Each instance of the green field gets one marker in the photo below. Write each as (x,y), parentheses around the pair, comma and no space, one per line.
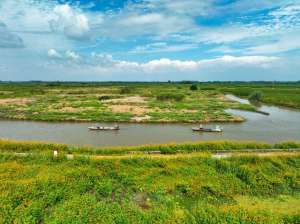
(131,102)
(136,102)
(280,94)
(189,187)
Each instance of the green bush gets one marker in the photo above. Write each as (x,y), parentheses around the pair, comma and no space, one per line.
(194,87)
(104,97)
(170,97)
(256,96)
(126,90)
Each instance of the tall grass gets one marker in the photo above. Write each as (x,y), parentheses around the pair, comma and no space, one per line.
(193,190)
(211,146)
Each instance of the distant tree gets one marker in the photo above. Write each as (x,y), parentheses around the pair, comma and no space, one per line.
(194,87)
(255,96)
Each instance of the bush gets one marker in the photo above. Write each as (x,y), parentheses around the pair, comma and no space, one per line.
(126,90)
(194,87)
(170,96)
(256,96)
(105,97)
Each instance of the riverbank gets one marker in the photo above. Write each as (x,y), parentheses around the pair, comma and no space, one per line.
(211,147)
(284,94)
(190,187)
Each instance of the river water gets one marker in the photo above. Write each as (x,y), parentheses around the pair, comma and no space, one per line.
(281,125)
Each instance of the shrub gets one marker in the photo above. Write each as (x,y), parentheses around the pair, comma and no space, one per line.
(194,87)
(105,97)
(170,96)
(126,90)
(255,96)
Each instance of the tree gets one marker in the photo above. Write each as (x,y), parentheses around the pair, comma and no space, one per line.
(194,87)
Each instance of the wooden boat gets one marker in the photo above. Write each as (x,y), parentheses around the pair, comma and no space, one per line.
(100,128)
(216,129)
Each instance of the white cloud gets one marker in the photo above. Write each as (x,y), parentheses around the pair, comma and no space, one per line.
(8,39)
(225,61)
(290,10)
(108,62)
(72,23)
(159,47)
(52,53)
(284,43)
(70,55)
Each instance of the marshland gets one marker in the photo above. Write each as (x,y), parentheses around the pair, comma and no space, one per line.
(248,174)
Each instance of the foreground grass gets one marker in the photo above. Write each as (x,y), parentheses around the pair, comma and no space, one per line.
(197,189)
(114,103)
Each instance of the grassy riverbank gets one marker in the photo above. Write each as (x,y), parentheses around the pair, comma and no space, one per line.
(205,146)
(40,188)
(114,103)
(284,94)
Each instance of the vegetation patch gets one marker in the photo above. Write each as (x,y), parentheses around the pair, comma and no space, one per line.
(141,102)
(40,188)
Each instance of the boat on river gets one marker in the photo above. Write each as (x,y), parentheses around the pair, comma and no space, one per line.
(101,128)
(202,129)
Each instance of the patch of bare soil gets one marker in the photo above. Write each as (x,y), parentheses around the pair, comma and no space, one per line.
(15,101)
(141,119)
(136,110)
(74,110)
(130,99)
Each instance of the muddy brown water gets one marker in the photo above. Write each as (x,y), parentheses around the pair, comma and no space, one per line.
(282,125)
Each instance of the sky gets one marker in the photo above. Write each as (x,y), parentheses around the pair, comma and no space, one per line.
(150,40)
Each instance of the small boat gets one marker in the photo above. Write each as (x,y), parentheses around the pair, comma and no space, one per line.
(101,128)
(216,129)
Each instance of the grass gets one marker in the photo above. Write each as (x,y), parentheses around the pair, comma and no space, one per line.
(196,189)
(155,102)
(210,146)
(284,94)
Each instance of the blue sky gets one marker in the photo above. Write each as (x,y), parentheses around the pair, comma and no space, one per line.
(149,40)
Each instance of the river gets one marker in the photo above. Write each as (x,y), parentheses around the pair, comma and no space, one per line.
(281,125)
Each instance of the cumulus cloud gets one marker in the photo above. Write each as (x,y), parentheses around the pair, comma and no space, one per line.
(108,62)
(8,39)
(72,23)
(225,61)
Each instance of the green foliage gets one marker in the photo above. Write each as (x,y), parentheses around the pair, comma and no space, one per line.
(210,146)
(194,87)
(166,102)
(282,94)
(256,96)
(170,96)
(105,97)
(126,90)
(39,189)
